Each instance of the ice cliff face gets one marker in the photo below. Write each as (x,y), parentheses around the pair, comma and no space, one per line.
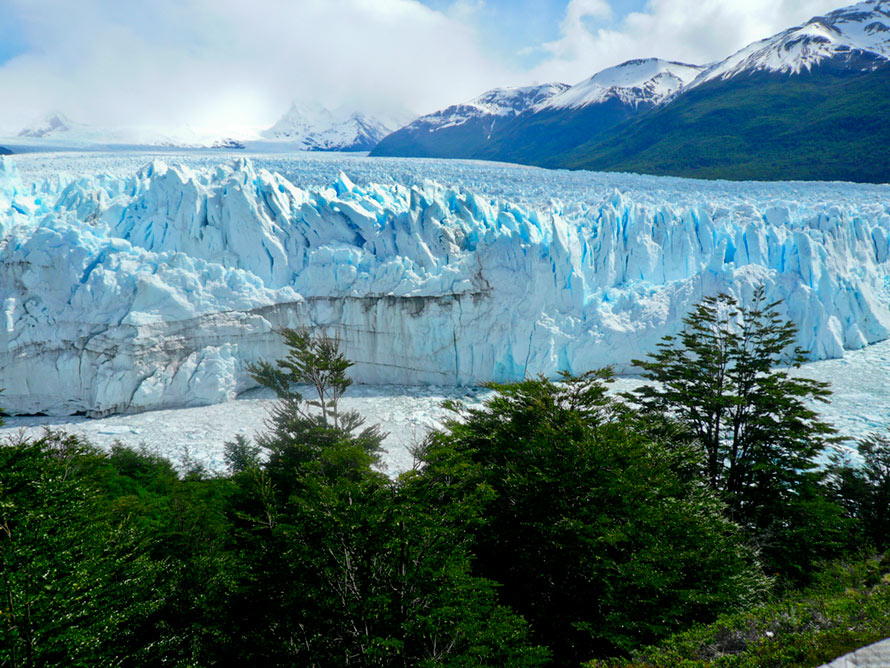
(154,290)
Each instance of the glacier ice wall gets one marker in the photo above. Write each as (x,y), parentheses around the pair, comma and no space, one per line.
(153,290)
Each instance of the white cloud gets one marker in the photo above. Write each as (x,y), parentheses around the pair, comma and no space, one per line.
(229,62)
(694,31)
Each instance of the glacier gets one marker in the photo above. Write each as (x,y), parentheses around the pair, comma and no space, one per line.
(151,287)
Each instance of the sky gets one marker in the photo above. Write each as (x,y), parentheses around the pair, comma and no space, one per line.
(236,64)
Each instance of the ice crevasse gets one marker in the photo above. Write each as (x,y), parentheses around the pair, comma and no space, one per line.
(155,290)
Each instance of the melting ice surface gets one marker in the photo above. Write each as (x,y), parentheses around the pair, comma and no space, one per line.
(136,282)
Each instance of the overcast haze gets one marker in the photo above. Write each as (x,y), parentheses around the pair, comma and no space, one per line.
(231,64)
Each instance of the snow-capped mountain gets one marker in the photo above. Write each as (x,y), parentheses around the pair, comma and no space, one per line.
(59,128)
(813,104)
(810,102)
(53,125)
(472,129)
(857,36)
(491,105)
(315,128)
(537,123)
(512,101)
(635,82)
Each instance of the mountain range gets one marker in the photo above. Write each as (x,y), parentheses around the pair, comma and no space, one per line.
(58,129)
(528,124)
(811,102)
(303,127)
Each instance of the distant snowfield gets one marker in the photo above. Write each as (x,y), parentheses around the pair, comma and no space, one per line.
(860,406)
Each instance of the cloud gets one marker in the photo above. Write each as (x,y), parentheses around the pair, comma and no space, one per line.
(230,63)
(225,63)
(693,31)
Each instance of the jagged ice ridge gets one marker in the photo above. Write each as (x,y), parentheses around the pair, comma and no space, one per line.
(125,293)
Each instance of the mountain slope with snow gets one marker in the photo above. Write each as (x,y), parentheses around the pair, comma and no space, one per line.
(855,38)
(531,125)
(498,102)
(808,103)
(56,130)
(463,130)
(636,82)
(811,102)
(154,289)
(52,125)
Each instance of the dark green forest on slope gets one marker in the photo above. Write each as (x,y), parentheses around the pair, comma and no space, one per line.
(822,125)
(528,138)
(687,523)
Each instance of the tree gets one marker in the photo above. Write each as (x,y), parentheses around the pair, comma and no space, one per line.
(720,379)
(596,532)
(864,488)
(313,360)
(185,538)
(342,565)
(300,431)
(73,582)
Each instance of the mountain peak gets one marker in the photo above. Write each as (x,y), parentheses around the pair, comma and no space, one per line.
(50,125)
(491,105)
(644,80)
(511,100)
(858,34)
(315,128)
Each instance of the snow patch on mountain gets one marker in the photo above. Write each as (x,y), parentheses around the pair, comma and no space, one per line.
(513,101)
(850,33)
(154,289)
(635,82)
(493,104)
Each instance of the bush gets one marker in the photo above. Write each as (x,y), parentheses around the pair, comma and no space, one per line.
(598,533)
(845,609)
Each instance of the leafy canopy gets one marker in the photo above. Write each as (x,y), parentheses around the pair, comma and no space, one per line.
(719,378)
(598,533)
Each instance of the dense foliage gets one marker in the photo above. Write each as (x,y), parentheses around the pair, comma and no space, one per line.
(599,534)
(725,380)
(553,525)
